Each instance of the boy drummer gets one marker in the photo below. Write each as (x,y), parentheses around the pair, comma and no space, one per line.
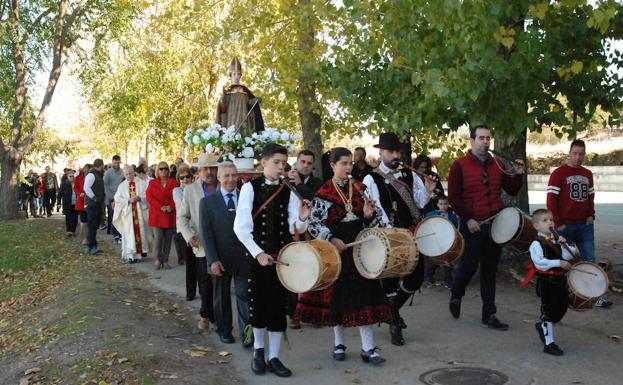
(550,261)
(266,217)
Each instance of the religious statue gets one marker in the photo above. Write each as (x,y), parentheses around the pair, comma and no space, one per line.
(238,106)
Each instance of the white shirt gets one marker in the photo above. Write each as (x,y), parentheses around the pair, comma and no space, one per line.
(420,195)
(88,183)
(542,263)
(243,224)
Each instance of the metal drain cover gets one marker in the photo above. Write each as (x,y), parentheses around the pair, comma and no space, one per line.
(463,376)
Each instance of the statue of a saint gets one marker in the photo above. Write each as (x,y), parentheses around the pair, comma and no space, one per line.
(238,105)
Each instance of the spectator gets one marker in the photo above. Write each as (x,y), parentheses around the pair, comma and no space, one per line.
(94,201)
(185,253)
(80,206)
(67,198)
(31,200)
(361,167)
(424,166)
(41,195)
(112,179)
(50,185)
(443,210)
(162,213)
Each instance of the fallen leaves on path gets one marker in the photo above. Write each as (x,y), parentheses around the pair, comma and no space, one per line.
(351,370)
(224,354)
(32,371)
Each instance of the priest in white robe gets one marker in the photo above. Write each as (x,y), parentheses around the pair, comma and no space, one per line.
(130,216)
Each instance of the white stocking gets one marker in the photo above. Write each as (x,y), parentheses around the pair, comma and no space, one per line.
(274,343)
(548,331)
(367,337)
(258,335)
(338,335)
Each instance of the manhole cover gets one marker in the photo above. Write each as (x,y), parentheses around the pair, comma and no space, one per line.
(463,376)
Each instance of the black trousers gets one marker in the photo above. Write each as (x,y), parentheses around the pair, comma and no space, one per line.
(554,297)
(185,253)
(222,302)
(110,227)
(71,219)
(479,250)
(206,289)
(49,199)
(268,298)
(94,213)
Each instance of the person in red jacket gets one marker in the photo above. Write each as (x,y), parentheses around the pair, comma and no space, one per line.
(570,198)
(80,208)
(159,195)
(475,183)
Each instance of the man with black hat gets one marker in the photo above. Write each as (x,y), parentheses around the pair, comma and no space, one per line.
(402,194)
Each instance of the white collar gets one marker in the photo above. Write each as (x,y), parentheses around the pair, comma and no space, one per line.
(388,170)
(270,182)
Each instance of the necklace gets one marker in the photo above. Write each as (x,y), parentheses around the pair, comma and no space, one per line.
(348,202)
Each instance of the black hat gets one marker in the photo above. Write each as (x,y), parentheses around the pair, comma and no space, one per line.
(388,141)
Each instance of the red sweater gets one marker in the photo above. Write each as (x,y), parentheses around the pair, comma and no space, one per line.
(570,195)
(157,196)
(469,196)
(79,189)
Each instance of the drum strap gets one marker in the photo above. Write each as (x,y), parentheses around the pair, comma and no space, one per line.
(404,191)
(267,201)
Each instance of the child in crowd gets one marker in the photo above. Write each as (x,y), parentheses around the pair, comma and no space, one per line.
(550,261)
(443,210)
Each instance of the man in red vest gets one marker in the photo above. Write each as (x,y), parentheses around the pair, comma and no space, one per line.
(475,184)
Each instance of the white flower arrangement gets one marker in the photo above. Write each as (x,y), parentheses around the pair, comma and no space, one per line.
(229,144)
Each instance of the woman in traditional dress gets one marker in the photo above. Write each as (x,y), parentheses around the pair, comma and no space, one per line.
(130,216)
(339,213)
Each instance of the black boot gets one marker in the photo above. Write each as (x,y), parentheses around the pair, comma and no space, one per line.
(258,364)
(401,298)
(394,326)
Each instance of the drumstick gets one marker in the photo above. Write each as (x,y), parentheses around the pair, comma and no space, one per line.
(488,219)
(357,243)
(584,271)
(276,262)
(425,235)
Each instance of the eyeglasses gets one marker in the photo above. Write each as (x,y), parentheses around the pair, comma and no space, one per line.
(485,177)
(163,169)
(185,176)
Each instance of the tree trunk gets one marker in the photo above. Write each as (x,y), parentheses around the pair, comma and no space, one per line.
(10,160)
(515,150)
(307,99)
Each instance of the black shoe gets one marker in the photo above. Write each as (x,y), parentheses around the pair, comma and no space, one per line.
(339,356)
(258,364)
(494,323)
(455,307)
(278,368)
(248,342)
(227,338)
(396,333)
(553,349)
(370,358)
(539,329)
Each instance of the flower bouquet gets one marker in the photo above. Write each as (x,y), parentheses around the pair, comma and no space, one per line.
(228,144)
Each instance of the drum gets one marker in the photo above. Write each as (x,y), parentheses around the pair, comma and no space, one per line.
(585,289)
(439,240)
(312,265)
(385,253)
(513,227)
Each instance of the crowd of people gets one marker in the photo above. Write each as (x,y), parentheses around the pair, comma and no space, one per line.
(226,231)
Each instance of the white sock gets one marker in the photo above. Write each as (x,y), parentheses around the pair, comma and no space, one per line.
(258,335)
(548,331)
(274,343)
(338,335)
(367,337)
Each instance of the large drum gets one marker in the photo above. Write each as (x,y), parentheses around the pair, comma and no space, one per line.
(312,265)
(385,253)
(439,240)
(513,227)
(586,282)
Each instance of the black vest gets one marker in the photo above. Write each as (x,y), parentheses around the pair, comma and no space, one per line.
(551,251)
(270,229)
(401,215)
(98,190)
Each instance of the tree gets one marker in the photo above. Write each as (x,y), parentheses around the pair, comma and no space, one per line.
(39,34)
(424,70)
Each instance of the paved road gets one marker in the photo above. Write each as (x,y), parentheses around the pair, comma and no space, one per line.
(435,340)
